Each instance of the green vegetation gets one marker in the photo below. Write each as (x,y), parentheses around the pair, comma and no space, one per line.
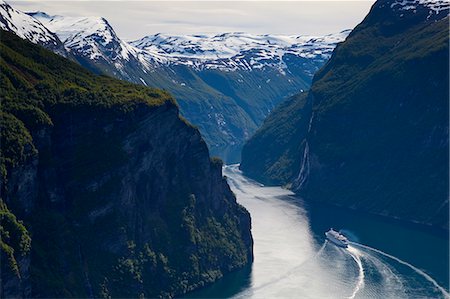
(273,155)
(382,130)
(128,203)
(36,84)
(226,106)
(379,133)
(216,161)
(15,241)
(16,141)
(188,254)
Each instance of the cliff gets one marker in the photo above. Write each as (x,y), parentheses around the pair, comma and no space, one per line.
(225,84)
(272,154)
(116,191)
(377,136)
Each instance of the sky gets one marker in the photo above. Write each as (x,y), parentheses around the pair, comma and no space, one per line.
(135,19)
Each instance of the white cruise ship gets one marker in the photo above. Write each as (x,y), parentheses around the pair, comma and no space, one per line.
(337,238)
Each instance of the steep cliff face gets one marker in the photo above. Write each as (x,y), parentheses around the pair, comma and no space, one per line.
(225,84)
(274,155)
(117,191)
(15,257)
(378,134)
(145,201)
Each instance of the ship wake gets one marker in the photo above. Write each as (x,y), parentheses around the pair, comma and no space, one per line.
(291,261)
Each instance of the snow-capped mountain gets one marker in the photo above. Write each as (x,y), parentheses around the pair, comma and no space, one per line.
(434,6)
(425,10)
(28,28)
(225,84)
(91,38)
(94,39)
(232,51)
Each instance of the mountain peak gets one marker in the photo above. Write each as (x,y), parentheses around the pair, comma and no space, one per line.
(436,6)
(236,50)
(86,34)
(26,26)
(419,10)
(68,28)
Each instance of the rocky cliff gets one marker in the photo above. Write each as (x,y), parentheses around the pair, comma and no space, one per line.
(116,191)
(225,84)
(377,135)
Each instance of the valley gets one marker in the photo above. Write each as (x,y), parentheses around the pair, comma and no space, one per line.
(210,164)
(225,84)
(375,118)
(293,259)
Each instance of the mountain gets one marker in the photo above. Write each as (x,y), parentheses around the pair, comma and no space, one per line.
(225,84)
(372,133)
(94,44)
(254,71)
(106,191)
(29,28)
(238,51)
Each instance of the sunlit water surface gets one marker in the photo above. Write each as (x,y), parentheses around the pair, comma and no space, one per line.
(293,259)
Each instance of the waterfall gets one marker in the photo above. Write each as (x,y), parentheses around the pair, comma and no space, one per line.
(304,169)
(310,122)
(305,163)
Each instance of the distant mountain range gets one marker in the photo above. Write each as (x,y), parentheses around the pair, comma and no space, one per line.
(225,84)
(372,132)
(237,51)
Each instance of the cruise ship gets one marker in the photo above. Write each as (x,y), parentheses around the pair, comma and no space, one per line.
(337,238)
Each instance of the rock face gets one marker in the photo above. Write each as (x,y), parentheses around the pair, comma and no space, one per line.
(376,138)
(225,84)
(15,257)
(29,28)
(118,192)
(272,154)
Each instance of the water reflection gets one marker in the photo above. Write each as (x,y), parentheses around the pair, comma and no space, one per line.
(293,260)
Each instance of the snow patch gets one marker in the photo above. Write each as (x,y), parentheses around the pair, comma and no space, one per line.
(435,6)
(233,51)
(95,39)
(25,26)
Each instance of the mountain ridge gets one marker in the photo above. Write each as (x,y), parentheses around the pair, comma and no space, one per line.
(29,28)
(226,98)
(106,191)
(372,132)
(227,51)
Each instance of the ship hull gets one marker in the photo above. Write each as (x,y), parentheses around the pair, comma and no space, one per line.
(338,243)
(336,239)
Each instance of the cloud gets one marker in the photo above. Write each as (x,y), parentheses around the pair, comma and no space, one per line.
(135,19)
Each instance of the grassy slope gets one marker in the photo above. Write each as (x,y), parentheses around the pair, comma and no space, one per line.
(227,107)
(273,155)
(379,138)
(38,90)
(36,83)
(381,122)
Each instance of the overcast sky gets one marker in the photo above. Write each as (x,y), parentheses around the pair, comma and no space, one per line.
(135,19)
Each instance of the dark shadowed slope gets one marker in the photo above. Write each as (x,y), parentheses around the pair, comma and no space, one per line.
(225,84)
(116,191)
(378,137)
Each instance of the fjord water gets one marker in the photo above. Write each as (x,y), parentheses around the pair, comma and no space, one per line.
(386,259)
